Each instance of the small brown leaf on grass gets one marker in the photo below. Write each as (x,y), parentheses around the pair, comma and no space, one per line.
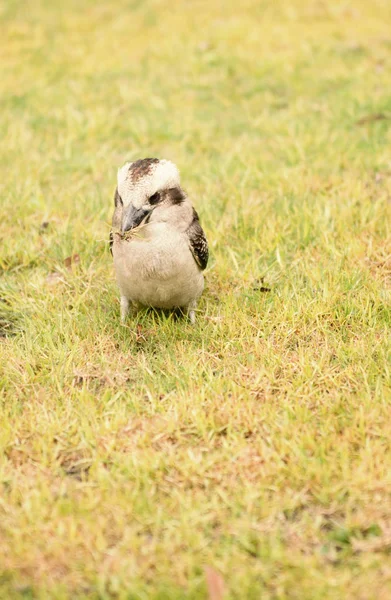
(139,334)
(215,584)
(372,118)
(71,260)
(142,335)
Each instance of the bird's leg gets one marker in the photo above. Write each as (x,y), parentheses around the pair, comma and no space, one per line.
(124,308)
(191,311)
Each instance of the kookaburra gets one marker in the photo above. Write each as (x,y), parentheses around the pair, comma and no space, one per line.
(157,242)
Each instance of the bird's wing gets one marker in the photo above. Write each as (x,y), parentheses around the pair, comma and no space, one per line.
(198,242)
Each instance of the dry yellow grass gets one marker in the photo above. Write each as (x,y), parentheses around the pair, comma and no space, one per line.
(249,456)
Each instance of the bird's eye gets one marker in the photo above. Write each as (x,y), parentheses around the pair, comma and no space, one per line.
(155,198)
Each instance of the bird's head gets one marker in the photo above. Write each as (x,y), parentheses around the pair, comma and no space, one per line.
(142,187)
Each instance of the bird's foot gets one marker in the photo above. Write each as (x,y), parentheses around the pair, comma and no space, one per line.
(124,309)
(191,312)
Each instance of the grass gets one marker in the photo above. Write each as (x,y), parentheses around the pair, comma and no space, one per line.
(254,447)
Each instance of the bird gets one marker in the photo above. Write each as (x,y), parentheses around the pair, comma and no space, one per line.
(158,245)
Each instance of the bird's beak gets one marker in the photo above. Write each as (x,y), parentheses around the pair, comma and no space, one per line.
(132,217)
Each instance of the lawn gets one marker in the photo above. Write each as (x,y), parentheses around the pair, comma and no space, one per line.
(247,457)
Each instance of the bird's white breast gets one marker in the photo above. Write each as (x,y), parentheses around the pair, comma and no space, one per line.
(155,267)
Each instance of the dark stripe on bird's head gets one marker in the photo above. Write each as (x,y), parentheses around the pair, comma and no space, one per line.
(117,198)
(174,195)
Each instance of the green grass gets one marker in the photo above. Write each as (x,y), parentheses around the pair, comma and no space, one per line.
(258,442)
